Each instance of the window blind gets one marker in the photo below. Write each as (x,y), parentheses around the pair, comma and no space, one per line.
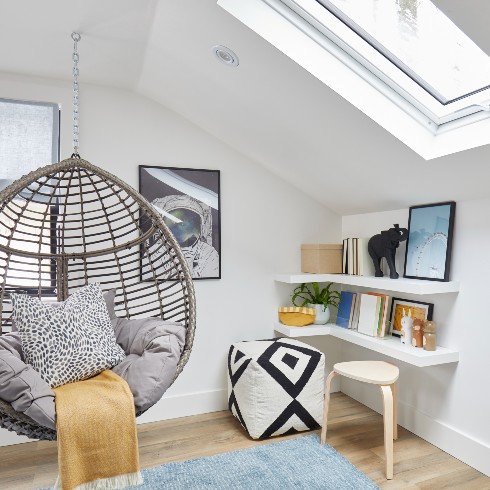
(29,137)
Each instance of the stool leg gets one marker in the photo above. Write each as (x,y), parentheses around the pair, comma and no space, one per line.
(325,407)
(388,429)
(395,411)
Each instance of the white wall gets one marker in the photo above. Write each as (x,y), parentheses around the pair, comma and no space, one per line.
(447,405)
(263,222)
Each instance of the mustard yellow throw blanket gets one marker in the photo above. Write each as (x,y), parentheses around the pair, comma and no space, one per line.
(96,431)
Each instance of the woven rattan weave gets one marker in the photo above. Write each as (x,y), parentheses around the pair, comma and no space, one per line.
(72,223)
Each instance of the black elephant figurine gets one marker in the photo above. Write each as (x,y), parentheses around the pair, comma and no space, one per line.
(384,244)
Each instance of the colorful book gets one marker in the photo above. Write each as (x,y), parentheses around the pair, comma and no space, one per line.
(352,310)
(381,331)
(355,315)
(346,307)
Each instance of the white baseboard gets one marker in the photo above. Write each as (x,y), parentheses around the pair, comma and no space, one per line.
(174,406)
(454,442)
(463,447)
(169,407)
(10,438)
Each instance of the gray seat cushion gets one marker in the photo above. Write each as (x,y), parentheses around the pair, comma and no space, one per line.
(22,386)
(153,348)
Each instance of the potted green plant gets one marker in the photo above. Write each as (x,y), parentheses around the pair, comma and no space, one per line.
(310,294)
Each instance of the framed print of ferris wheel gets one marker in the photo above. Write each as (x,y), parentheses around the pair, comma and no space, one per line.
(430,237)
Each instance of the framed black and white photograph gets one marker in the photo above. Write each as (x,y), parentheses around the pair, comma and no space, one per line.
(189,201)
(430,237)
(416,309)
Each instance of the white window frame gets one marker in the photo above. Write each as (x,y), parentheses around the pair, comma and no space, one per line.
(428,127)
(381,67)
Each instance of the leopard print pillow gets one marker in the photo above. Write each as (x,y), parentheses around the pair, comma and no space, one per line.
(69,342)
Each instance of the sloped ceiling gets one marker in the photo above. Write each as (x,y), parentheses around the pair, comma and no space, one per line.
(268,108)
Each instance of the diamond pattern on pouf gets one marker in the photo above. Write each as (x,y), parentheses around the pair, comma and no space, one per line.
(276,386)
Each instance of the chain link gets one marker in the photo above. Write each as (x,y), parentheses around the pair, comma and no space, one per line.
(76,95)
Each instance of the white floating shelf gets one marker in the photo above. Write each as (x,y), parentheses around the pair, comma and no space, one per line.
(391,347)
(401,285)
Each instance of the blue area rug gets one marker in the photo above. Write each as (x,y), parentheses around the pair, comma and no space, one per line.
(300,463)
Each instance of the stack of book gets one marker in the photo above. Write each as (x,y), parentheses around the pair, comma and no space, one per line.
(355,257)
(373,314)
(366,312)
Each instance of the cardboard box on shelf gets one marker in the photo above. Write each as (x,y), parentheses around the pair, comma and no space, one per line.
(319,258)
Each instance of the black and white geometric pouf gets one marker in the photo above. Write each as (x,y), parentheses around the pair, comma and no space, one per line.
(276,386)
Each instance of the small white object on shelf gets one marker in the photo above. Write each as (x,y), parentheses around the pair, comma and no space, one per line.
(391,347)
(401,285)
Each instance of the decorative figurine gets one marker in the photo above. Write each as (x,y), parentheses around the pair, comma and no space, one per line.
(430,335)
(406,331)
(384,244)
(418,333)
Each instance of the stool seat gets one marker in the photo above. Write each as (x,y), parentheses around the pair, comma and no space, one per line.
(375,372)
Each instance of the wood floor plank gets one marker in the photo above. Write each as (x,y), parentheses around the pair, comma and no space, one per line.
(464,478)
(354,431)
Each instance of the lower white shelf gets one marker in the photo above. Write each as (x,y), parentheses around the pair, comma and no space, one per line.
(390,347)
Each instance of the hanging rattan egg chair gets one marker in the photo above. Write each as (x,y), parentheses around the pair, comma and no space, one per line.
(74,223)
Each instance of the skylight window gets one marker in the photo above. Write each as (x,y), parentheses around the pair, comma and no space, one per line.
(401,62)
(420,40)
(410,45)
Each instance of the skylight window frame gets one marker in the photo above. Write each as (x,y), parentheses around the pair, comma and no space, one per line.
(293,36)
(398,62)
(336,36)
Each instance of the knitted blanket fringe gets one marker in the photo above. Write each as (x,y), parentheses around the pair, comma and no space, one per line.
(113,483)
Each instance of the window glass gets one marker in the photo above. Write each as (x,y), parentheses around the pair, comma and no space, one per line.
(24,272)
(29,135)
(29,139)
(417,37)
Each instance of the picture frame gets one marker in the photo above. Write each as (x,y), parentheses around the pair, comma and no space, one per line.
(190,203)
(419,309)
(429,243)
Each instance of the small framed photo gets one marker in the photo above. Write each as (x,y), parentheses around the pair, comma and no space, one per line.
(189,201)
(420,310)
(429,243)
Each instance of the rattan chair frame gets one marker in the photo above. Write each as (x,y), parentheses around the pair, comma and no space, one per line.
(78,223)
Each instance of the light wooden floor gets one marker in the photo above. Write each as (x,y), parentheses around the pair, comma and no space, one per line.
(354,430)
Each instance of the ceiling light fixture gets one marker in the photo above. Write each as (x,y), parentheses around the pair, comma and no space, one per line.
(225,55)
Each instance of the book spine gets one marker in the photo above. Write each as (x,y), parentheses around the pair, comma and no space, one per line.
(344,256)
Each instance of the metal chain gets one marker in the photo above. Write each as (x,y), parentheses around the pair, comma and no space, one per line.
(76,95)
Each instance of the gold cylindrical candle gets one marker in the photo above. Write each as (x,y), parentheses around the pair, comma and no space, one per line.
(430,338)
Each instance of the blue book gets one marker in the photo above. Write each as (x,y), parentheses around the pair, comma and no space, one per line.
(346,309)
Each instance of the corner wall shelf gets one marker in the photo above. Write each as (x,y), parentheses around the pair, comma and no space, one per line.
(411,286)
(390,347)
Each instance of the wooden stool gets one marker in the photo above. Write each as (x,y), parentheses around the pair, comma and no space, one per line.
(379,373)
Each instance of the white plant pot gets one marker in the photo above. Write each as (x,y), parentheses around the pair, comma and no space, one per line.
(321,317)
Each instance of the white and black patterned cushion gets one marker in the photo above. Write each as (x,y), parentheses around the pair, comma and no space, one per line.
(276,386)
(69,342)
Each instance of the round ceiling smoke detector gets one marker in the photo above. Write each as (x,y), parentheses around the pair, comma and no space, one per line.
(225,55)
